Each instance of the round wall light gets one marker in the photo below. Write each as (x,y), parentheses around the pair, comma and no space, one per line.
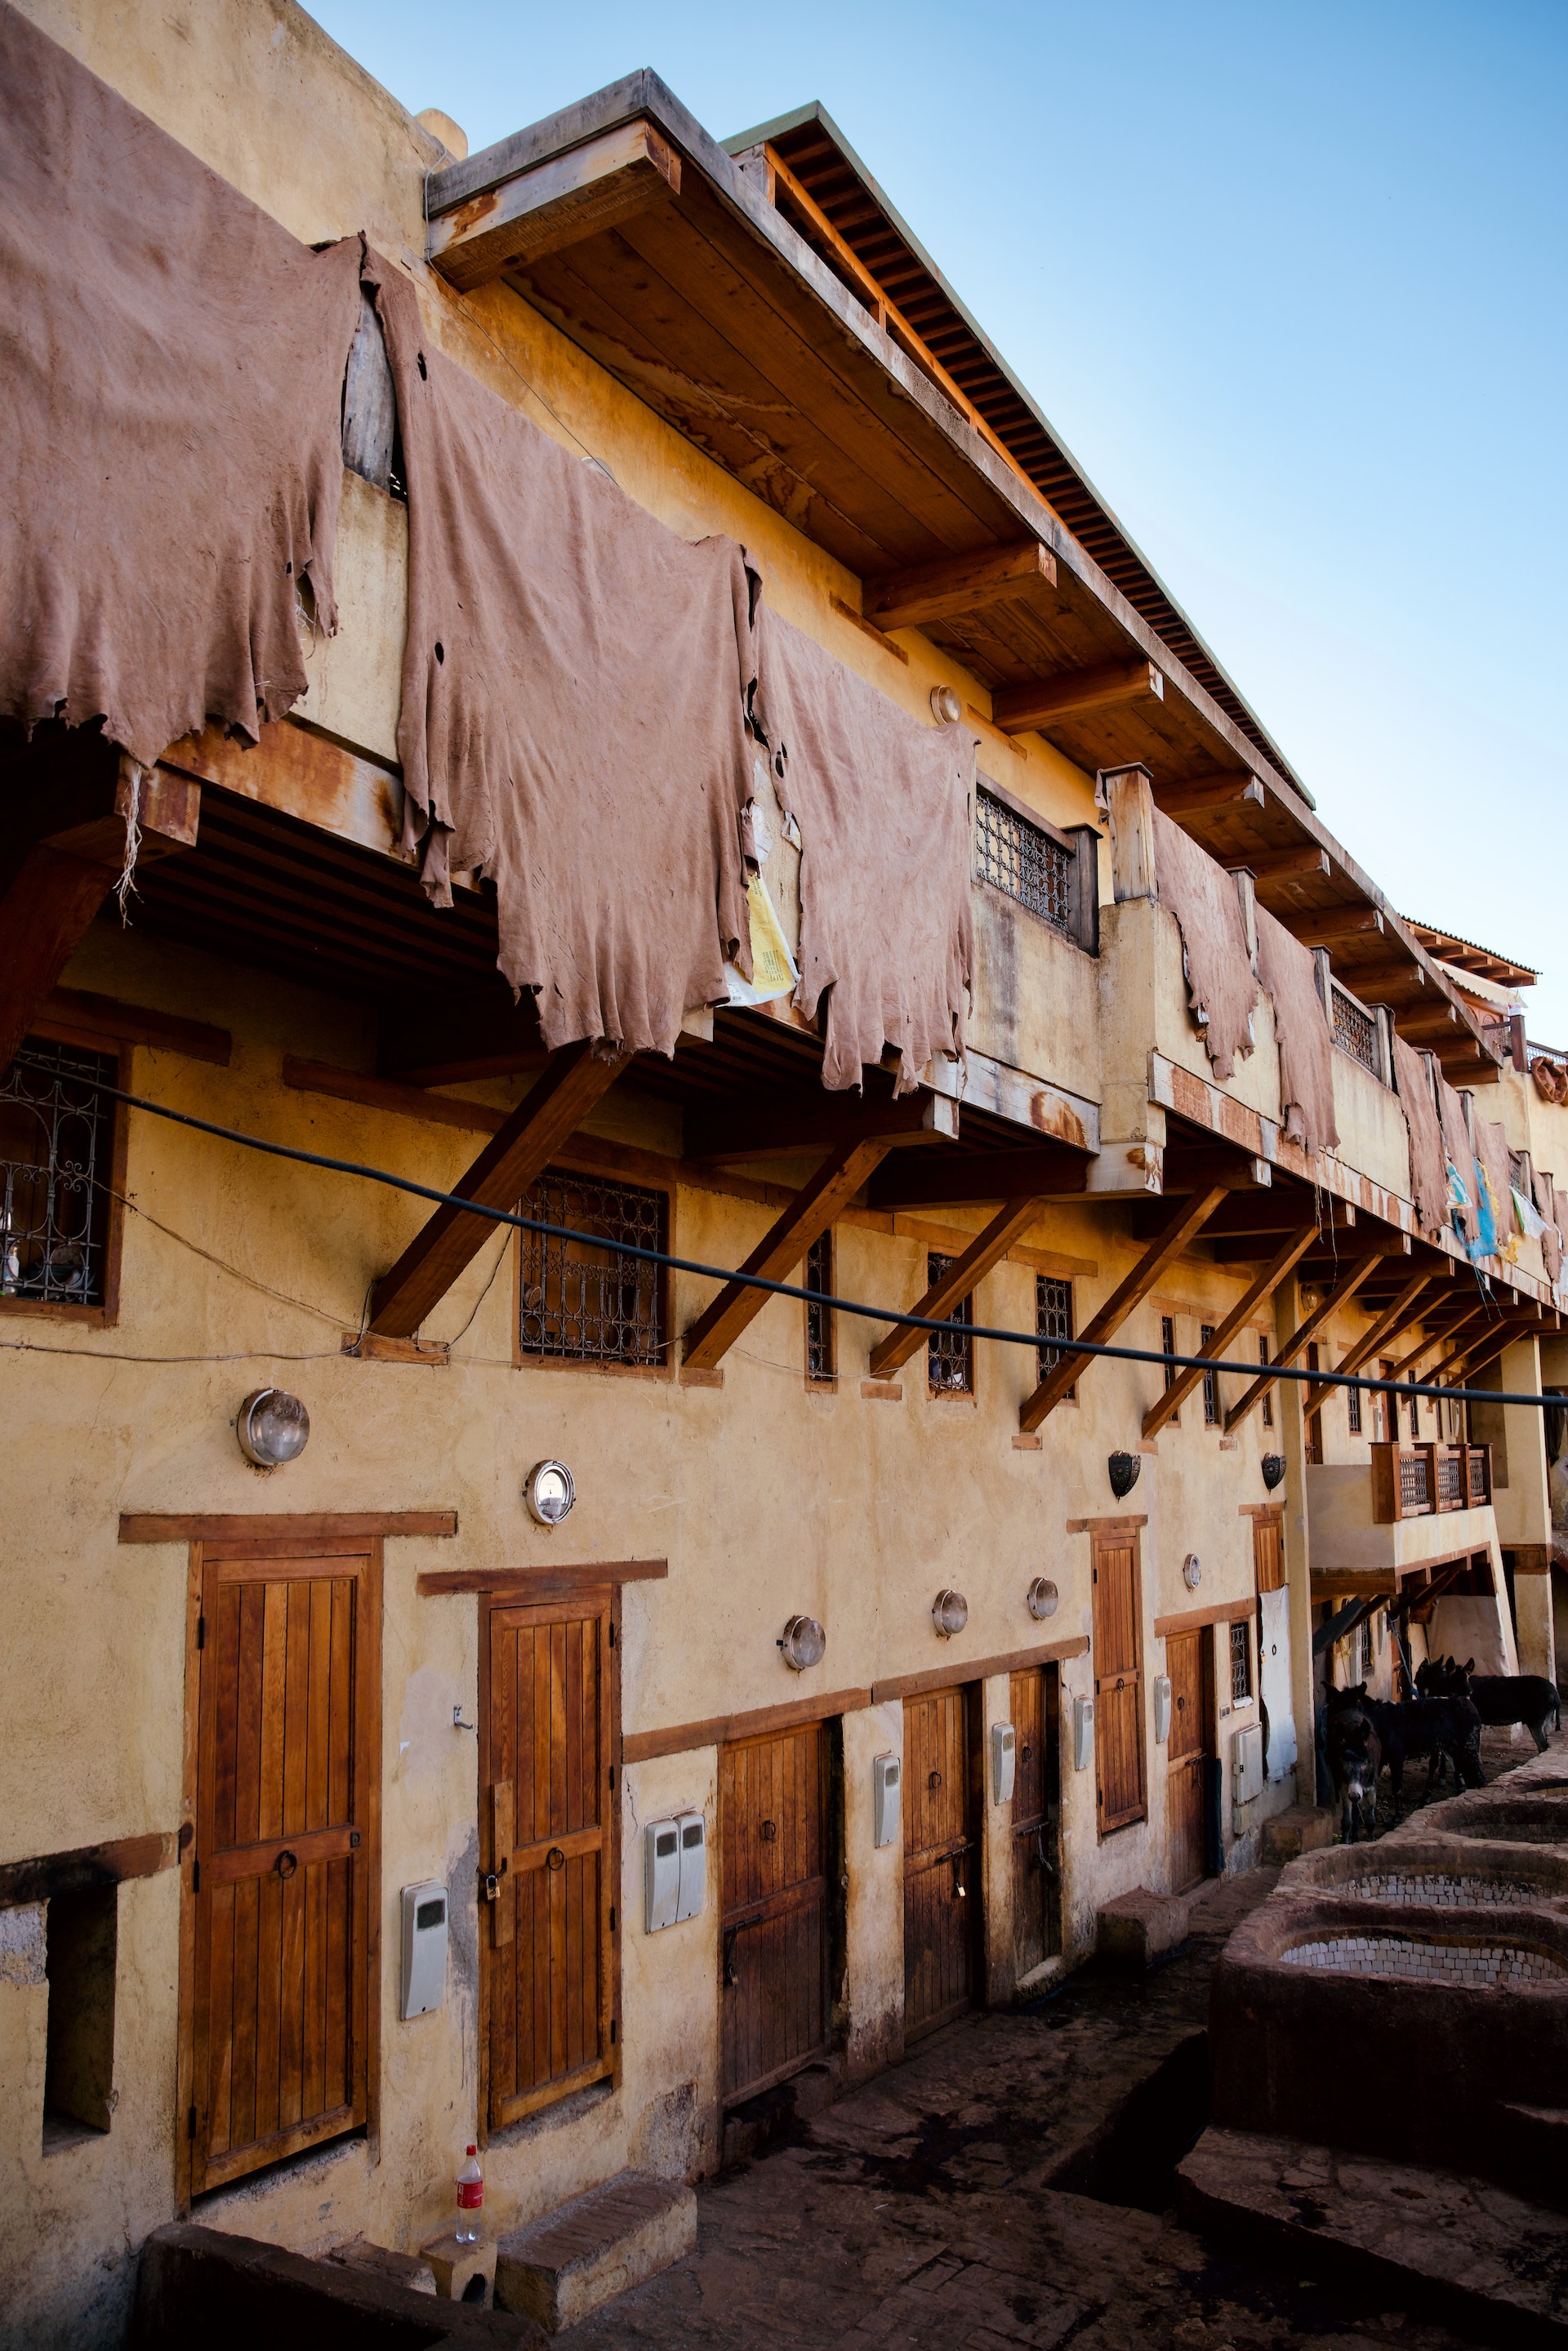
(1042,1597)
(946,707)
(1123,1471)
(1192,1570)
(273,1428)
(549,1490)
(949,1613)
(1274,1466)
(803,1643)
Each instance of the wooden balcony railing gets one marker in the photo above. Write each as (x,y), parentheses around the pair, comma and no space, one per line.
(1416,1481)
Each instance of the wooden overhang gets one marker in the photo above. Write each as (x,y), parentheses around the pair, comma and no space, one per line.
(740,295)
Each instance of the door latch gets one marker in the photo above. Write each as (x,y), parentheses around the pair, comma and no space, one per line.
(731,1974)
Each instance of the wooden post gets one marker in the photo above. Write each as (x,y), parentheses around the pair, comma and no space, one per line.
(1130,805)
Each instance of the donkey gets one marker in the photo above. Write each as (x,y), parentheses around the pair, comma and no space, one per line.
(1355,1759)
(1505,1699)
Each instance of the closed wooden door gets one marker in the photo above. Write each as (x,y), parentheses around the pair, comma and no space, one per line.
(281,2014)
(773,1944)
(941,1859)
(1036,1818)
(1118,1683)
(1188,1745)
(549,1752)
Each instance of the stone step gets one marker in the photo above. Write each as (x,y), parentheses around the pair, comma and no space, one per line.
(410,2270)
(568,2264)
(1141,1927)
(1301,1828)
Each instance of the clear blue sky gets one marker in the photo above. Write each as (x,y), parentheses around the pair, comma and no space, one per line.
(1290,282)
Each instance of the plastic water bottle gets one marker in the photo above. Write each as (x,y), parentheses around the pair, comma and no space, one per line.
(470,2198)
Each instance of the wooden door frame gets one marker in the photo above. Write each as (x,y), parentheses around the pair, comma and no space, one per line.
(281,1544)
(1100,1540)
(582,1600)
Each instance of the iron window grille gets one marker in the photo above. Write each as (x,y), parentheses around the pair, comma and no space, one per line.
(1022,861)
(1167,1347)
(584,1301)
(820,1362)
(1263,1365)
(56,1138)
(1354,1027)
(1053,1320)
(950,1352)
(1352,1406)
(1368,1650)
(1210,1380)
(1240,1661)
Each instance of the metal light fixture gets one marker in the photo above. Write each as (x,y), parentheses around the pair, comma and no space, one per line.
(549,1490)
(946,707)
(273,1428)
(949,1613)
(802,1642)
(1042,1597)
(1192,1570)
(1122,1471)
(1273,1467)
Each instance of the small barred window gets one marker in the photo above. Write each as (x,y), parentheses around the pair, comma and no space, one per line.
(56,1135)
(950,1352)
(1020,859)
(586,1300)
(1240,1661)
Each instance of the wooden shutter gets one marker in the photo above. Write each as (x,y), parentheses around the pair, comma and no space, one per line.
(1118,1682)
(281,2011)
(773,1943)
(941,1872)
(548,1756)
(1269,1551)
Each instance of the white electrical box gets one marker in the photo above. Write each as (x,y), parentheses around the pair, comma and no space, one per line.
(1246,1765)
(423,1949)
(1083,1733)
(886,1772)
(1162,1708)
(694,1867)
(1003,1756)
(661,1868)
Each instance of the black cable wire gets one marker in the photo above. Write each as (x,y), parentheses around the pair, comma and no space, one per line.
(725,1273)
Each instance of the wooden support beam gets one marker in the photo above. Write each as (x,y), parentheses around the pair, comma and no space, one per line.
(810,1119)
(1187,1218)
(1443,1335)
(987,1249)
(1478,1352)
(930,1179)
(1395,1319)
(1267,866)
(1267,1283)
(53,886)
(1017,709)
(1203,1166)
(1237,789)
(543,1122)
(555,204)
(1324,925)
(959,584)
(809,1214)
(1362,1271)
(455,1041)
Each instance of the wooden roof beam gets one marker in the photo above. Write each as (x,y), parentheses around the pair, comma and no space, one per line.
(557,203)
(960,584)
(1186,1221)
(1267,866)
(812,1120)
(987,1249)
(544,1120)
(1362,1271)
(1047,1171)
(1268,1281)
(1206,794)
(1333,924)
(808,1216)
(1019,709)
(1391,1323)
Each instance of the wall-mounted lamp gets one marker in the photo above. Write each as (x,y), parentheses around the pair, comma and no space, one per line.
(550,1489)
(273,1428)
(949,1613)
(946,707)
(1042,1597)
(1122,1471)
(1192,1570)
(1273,1467)
(803,1643)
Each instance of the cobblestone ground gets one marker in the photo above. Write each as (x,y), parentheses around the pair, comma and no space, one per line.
(1008,2184)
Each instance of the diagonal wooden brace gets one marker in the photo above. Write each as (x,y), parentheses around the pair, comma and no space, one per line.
(809,1214)
(1189,1216)
(987,1249)
(1362,1271)
(1267,1283)
(1394,1320)
(1444,1336)
(543,1122)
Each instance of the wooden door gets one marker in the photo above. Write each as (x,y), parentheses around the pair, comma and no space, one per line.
(1188,1744)
(941,1858)
(1118,1683)
(1268,1549)
(773,1944)
(547,1755)
(1036,1817)
(282,2004)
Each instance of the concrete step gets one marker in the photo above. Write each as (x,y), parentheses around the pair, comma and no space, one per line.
(410,2270)
(561,2267)
(1141,1927)
(1301,1828)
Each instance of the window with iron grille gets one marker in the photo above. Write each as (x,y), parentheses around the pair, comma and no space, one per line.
(56,1140)
(1368,1650)
(819,1364)
(584,1300)
(1352,1406)
(1167,1347)
(1354,1030)
(1240,1661)
(950,1352)
(1415,1420)
(1415,1493)
(1210,1380)
(1017,857)
(1268,1398)
(1052,1319)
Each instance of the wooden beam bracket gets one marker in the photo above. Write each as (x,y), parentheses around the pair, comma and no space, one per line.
(1019,709)
(809,1214)
(987,1249)
(555,204)
(1268,1281)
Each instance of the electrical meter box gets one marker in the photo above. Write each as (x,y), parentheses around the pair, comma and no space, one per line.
(1083,1733)
(1003,1756)
(886,1772)
(662,1864)
(694,1867)
(1162,1708)
(423,1949)
(1246,1769)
